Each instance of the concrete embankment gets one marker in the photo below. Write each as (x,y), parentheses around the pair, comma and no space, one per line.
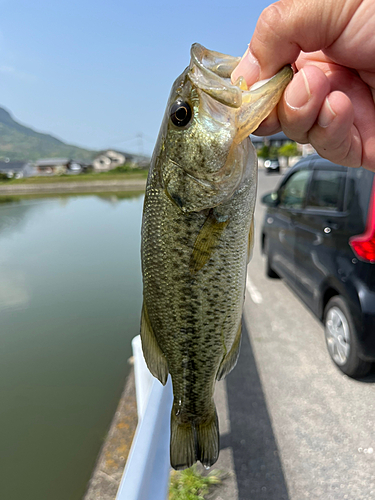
(106,477)
(74,187)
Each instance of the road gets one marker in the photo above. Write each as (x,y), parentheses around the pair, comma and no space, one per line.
(293,427)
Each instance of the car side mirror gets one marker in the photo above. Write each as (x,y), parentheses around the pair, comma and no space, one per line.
(270,199)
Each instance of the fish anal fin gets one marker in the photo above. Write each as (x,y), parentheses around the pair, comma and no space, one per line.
(154,357)
(206,242)
(231,357)
(250,244)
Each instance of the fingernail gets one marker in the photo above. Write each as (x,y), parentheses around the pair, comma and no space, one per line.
(326,114)
(248,67)
(298,91)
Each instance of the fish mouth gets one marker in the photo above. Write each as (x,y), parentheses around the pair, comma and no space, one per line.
(210,72)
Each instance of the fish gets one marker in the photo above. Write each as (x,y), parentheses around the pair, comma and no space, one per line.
(196,240)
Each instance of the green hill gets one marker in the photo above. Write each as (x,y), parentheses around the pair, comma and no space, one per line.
(18,142)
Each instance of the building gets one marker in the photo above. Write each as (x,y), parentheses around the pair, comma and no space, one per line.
(57,166)
(109,159)
(16,169)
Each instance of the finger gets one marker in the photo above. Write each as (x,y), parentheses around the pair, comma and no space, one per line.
(302,100)
(334,136)
(271,125)
(289,26)
(361,97)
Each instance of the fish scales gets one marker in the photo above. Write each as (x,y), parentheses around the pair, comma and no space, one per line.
(196,239)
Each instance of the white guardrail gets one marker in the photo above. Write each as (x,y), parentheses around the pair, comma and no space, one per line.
(146,475)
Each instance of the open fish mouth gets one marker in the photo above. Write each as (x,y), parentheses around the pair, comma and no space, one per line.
(210,72)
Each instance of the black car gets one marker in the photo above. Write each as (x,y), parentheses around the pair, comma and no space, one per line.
(319,235)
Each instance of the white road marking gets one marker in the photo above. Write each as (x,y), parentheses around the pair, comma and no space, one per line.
(255,294)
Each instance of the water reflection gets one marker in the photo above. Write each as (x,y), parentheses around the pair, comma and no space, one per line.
(70,299)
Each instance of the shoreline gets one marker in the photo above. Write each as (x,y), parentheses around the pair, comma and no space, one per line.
(107,473)
(74,187)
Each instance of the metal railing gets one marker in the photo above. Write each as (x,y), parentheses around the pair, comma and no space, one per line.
(146,475)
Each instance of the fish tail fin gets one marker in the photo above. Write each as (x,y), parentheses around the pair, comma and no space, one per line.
(208,440)
(190,442)
(183,444)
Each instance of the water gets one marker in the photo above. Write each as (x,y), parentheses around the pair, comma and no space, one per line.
(70,300)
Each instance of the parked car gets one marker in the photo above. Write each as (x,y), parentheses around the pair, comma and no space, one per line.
(319,235)
(271,166)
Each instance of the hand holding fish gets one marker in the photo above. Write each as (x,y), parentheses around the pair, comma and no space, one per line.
(330,102)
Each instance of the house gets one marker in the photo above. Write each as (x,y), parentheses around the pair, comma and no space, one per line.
(57,166)
(139,161)
(16,169)
(109,159)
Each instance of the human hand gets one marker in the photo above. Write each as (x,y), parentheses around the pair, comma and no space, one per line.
(330,101)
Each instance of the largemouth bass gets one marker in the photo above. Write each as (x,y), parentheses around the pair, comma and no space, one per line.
(197,235)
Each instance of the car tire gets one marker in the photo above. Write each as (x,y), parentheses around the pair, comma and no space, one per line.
(269,271)
(341,338)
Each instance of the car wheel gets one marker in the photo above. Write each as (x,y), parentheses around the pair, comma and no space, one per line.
(341,338)
(269,271)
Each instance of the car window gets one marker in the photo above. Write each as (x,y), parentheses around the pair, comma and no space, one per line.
(326,189)
(293,192)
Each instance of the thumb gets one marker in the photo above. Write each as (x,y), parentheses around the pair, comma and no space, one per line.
(289,26)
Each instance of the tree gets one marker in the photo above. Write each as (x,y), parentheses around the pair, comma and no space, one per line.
(264,152)
(288,150)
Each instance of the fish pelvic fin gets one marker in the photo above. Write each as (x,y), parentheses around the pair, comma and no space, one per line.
(191,442)
(154,357)
(230,359)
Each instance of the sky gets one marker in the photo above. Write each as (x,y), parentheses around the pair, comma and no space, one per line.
(98,74)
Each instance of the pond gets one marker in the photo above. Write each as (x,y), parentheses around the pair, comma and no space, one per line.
(70,301)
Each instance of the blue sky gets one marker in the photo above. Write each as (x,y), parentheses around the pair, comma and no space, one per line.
(98,73)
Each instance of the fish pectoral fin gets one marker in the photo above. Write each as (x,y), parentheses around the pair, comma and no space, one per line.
(230,359)
(194,441)
(206,242)
(154,357)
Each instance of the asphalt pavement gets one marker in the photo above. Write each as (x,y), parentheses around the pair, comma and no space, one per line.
(292,426)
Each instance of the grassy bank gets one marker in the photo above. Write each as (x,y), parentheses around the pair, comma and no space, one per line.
(105,176)
(115,195)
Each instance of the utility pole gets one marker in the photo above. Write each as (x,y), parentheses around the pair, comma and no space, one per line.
(140,143)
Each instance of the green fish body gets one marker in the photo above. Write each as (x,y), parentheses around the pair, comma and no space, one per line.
(197,234)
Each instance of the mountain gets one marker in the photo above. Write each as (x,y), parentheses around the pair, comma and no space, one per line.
(18,142)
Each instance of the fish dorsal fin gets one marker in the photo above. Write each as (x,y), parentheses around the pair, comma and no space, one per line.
(206,241)
(154,357)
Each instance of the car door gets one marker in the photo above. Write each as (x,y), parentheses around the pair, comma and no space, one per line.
(319,229)
(281,225)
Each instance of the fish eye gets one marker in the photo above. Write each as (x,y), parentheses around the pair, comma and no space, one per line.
(180,113)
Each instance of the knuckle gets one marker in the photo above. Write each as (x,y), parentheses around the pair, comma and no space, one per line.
(341,154)
(272,16)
